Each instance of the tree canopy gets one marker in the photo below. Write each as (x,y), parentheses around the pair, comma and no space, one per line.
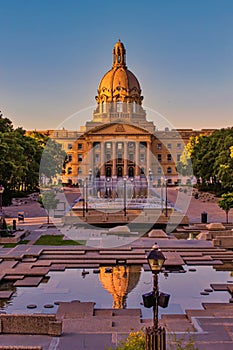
(21,158)
(212,158)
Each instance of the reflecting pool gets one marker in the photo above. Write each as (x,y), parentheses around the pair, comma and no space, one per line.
(119,287)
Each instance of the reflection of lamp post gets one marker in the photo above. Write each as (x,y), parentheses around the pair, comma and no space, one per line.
(1,193)
(124,196)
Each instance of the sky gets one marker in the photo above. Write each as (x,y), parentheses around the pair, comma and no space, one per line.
(53,54)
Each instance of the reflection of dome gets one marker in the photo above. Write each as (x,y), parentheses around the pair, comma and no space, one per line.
(120,282)
(119,84)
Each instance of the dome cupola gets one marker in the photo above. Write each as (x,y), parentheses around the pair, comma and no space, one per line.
(119,84)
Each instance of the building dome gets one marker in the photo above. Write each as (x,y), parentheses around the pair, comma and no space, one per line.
(119,83)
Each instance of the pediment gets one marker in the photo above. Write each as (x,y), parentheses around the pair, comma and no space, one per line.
(118,129)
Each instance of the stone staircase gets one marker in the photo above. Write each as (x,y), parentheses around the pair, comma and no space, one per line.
(210,328)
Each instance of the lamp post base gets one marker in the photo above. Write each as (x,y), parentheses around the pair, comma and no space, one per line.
(155,338)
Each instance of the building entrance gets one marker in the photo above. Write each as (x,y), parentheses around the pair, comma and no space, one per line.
(119,171)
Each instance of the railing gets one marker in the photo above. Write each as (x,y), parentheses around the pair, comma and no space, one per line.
(155,339)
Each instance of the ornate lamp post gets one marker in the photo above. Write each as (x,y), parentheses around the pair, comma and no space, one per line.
(155,336)
(150,175)
(155,260)
(90,174)
(124,194)
(1,193)
(165,197)
(83,199)
(86,195)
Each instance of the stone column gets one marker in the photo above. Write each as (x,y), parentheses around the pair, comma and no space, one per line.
(102,170)
(137,158)
(113,158)
(125,172)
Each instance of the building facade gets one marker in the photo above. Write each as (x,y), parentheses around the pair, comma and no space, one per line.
(119,142)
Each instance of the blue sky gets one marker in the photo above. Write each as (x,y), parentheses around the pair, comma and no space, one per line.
(53,54)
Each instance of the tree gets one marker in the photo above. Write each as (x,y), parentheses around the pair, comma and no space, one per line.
(48,201)
(53,160)
(226,203)
(212,159)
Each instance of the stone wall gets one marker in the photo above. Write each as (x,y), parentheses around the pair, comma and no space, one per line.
(30,324)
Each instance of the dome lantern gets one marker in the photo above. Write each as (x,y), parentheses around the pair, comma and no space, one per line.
(119,55)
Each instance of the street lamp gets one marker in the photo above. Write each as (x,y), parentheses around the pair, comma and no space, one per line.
(86,195)
(1,193)
(166,197)
(124,196)
(155,336)
(155,260)
(150,175)
(90,174)
(83,199)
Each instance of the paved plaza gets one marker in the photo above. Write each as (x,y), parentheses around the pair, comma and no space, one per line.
(84,326)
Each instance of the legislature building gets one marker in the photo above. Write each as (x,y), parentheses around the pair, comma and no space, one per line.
(119,142)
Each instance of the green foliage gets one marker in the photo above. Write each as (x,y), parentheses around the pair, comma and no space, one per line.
(20,159)
(135,341)
(212,159)
(53,160)
(56,240)
(21,156)
(12,245)
(226,203)
(48,201)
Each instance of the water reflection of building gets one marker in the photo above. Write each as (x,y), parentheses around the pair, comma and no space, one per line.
(121,281)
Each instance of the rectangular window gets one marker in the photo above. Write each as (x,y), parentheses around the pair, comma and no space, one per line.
(159,146)
(69,145)
(108,157)
(80,158)
(159,157)
(142,157)
(108,145)
(169,157)
(69,171)
(97,158)
(131,157)
(159,171)
(80,146)
(79,170)
(169,146)
(119,145)
(169,170)
(178,145)
(119,157)
(69,157)
(178,157)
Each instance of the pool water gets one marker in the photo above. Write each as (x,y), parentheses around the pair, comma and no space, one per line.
(123,287)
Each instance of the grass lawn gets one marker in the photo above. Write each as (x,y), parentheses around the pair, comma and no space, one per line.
(57,240)
(12,245)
